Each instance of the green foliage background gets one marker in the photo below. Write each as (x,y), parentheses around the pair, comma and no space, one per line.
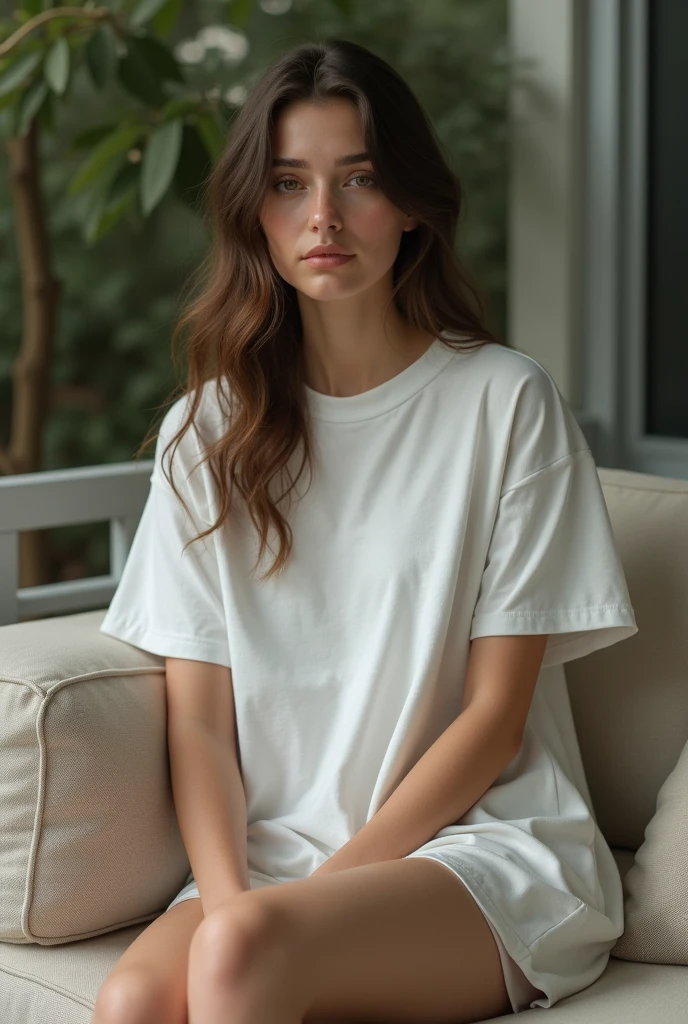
(121,295)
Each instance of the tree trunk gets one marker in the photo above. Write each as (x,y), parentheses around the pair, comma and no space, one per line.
(32,368)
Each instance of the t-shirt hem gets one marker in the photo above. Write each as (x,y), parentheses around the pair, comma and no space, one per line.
(588,615)
(574,632)
(167,645)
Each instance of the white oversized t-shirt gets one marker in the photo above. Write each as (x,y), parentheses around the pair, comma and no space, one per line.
(458,499)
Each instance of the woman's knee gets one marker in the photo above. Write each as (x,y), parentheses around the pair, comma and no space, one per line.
(133,996)
(232,939)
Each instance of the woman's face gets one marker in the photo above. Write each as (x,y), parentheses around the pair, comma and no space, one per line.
(322,203)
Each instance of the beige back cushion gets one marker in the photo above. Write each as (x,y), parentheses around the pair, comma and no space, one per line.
(630,701)
(630,708)
(89,840)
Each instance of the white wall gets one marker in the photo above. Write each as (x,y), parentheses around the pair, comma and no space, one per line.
(545,190)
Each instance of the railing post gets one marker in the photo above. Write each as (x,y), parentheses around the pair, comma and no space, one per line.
(122,530)
(9,577)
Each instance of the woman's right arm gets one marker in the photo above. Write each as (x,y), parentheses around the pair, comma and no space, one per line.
(207,786)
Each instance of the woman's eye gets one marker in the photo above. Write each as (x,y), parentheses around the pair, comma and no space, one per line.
(285,181)
(368,176)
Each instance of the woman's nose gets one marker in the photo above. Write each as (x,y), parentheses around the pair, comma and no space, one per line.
(323,207)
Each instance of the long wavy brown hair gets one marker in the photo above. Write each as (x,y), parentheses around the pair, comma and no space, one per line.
(245,325)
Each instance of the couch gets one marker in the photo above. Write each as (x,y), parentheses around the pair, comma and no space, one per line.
(90,850)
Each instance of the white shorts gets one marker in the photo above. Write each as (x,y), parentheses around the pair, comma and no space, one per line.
(521,991)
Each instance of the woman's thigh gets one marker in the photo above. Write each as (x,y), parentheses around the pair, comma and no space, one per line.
(149,981)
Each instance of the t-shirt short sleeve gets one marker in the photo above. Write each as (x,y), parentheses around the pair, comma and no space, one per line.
(169,601)
(552,564)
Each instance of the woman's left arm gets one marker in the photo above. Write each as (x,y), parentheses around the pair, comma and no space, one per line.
(463,762)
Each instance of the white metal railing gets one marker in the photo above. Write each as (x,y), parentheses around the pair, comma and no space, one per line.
(63,497)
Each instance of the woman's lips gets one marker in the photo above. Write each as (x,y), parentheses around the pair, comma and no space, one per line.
(328,260)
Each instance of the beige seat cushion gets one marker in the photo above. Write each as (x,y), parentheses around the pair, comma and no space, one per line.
(656,886)
(58,985)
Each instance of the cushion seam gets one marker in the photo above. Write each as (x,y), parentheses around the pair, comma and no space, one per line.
(48,986)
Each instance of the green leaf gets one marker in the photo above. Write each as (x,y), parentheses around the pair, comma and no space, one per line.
(32,7)
(211,134)
(101,56)
(111,214)
(8,101)
(90,225)
(239,12)
(192,170)
(96,198)
(180,106)
(92,136)
(159,58)
(112,146)
(144,11)
(56,67)
(46,115)
(344,6)
(29,105)
(166,18)
(13,76)
(7,27)
(139,71)
(159,163)
(127,177)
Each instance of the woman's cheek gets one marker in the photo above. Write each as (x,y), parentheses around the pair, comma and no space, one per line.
(377,223)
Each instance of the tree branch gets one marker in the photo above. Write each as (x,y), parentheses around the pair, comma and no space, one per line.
(99,13)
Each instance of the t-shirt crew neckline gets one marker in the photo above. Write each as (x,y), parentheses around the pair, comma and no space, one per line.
(380,399)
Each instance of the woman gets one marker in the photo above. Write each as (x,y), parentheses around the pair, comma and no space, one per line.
(364,709)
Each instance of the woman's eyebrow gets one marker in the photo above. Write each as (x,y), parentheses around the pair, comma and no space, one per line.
(352,158)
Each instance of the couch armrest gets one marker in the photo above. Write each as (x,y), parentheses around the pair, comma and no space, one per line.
(90,839)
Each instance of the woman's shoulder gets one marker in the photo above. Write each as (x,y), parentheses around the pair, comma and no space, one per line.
(526,414)
(510,383)
(503,363)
